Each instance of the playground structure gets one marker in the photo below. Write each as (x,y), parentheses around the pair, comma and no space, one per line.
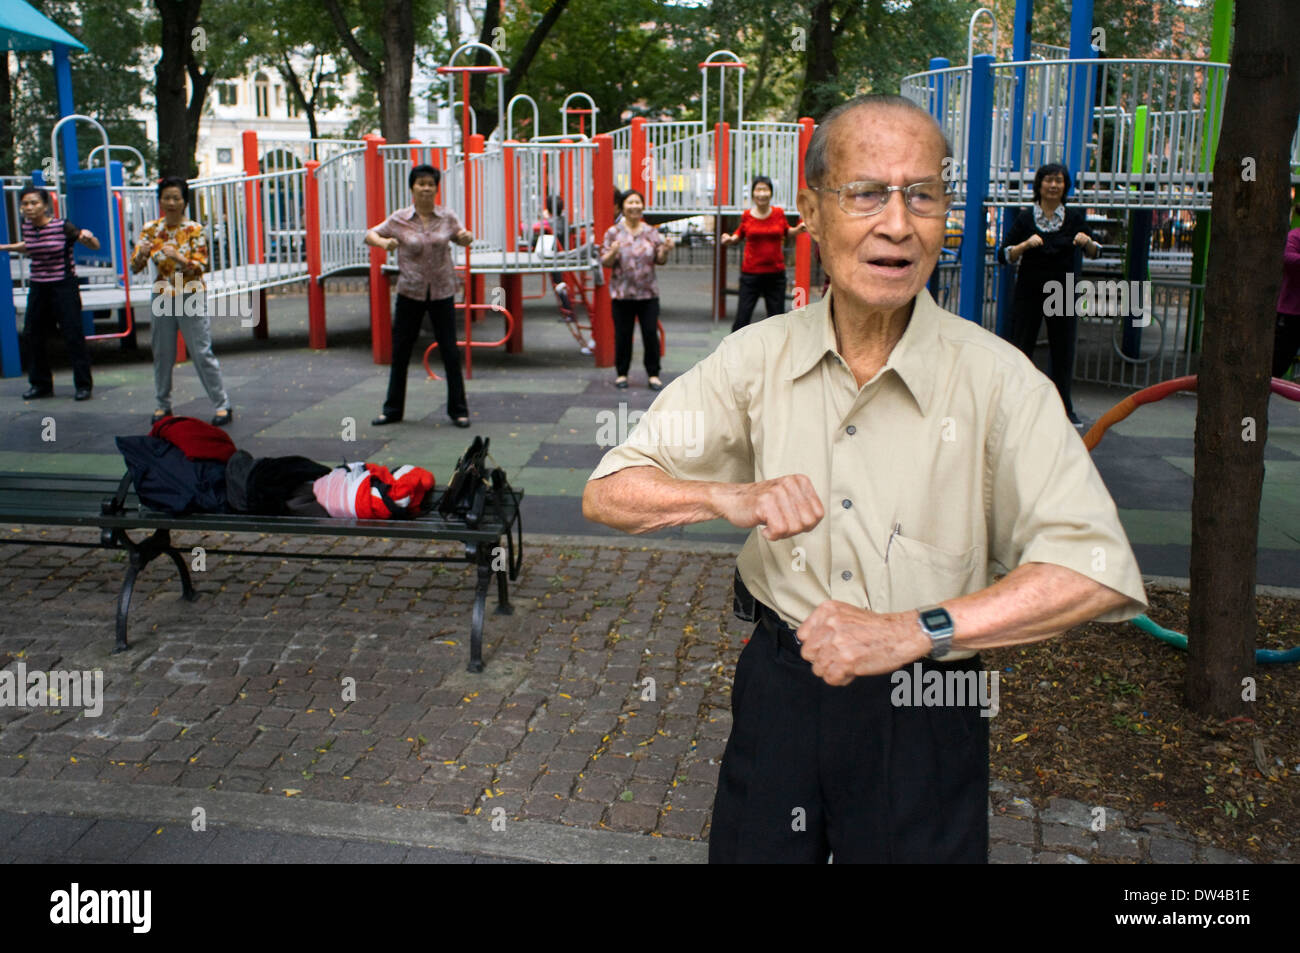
(1138,134)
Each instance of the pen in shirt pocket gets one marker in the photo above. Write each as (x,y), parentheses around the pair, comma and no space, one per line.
(898,528)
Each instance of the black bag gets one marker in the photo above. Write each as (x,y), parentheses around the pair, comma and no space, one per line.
(472,483)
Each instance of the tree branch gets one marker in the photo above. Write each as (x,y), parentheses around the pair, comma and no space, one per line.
(365,59)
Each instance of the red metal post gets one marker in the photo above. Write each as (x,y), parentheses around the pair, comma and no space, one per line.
(721,193)
(253,207)
(473,146)
(315,292)
(602,321)
(381,328)
(638,169)
(803,243)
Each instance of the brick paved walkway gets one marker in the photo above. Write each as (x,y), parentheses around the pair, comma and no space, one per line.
(244,691)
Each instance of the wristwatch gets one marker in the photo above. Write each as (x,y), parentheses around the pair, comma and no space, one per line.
(937,624)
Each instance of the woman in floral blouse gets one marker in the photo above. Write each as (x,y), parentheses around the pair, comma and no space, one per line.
(179,252)
(631,250)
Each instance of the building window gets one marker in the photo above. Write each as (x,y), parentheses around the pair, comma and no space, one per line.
(291,104)
(279,96)
(224,157)
(262,95)
(227,94)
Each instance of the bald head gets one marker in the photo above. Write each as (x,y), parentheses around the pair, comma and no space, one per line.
(874,106)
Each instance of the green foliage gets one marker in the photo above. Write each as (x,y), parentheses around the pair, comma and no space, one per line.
(108,81)
(633,57)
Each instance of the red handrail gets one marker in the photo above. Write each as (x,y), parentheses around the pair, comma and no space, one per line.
(510,328)
(126,277)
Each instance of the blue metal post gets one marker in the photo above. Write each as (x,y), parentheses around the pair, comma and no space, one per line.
(1020,44)
(938,104)
(10,364)
(979,122)
(63,88)
(1081,82)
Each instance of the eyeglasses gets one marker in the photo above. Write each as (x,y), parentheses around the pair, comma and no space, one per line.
(930,199)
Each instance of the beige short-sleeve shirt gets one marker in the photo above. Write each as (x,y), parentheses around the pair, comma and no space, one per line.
(955,462)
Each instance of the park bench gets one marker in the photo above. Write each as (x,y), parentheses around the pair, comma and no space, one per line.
(110,505)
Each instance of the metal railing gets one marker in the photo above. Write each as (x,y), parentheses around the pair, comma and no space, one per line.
(682,164)
(270,253)
(770,149)
(281,155)
(340,181)
(945,95)
(1149,127)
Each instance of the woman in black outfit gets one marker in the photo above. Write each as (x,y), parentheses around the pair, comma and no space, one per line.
(1047,240)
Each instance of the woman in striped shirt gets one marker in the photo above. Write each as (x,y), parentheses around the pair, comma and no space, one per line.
(52,293)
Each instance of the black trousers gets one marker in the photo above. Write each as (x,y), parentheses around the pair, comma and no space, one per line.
(627,312)
(1286,342)
(770,286)
(811,769)
(51,303)
(1062,330)
(408,315)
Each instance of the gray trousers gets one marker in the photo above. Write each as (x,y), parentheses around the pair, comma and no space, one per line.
(168,317)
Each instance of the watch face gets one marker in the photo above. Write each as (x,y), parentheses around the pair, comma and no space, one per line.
(936,618)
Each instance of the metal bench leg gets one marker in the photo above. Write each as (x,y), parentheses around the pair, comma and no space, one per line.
(503,595)
(476,622)
(124,604)
(141,554)
(187,586)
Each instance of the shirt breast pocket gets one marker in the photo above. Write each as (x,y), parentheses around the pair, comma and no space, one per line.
(919,574)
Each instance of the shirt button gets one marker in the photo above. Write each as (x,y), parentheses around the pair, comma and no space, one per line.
(851,430)
(848,504)
(846,575)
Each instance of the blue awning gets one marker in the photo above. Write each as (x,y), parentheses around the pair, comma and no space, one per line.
(24,28)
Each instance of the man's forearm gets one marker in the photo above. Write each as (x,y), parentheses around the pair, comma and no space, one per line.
(1032,602)
(644,499)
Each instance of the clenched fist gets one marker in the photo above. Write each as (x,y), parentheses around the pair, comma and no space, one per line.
(784,507)
(842,641)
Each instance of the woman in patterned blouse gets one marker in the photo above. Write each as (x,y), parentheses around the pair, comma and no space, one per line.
(179,252)
(52,293)
(631,250)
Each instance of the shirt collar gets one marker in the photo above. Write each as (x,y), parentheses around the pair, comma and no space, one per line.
(410,214)
(912,359)
(1057,216)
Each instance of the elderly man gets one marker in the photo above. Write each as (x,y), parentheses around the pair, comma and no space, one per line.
(891,458)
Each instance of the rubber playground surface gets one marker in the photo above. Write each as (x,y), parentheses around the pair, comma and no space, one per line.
(548,410)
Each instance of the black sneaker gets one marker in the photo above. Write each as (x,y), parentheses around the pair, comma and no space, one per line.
(83,393)
(35,393)
(1074,419)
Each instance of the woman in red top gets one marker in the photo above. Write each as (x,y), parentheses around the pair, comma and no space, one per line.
(762,270)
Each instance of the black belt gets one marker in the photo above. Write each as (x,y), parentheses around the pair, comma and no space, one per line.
(778,627)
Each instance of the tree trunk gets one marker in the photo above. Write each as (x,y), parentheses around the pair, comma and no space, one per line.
(819,62)
(1247,236)
(7,159)
(395,78)
(175,142)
